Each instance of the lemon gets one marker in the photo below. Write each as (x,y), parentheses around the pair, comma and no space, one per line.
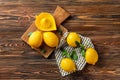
(50,39)
(45,22)
(91,56)
(72,38)
(35,39)
(68,65)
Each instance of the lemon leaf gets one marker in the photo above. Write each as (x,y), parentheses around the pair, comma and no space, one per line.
(64,53)
(68,56)
(83,52)
(59,31)
(82,47)
(29,34)
(42,50)
(77,43)
(62,49)
(74,55)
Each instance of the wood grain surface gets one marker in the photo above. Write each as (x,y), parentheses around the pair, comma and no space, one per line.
(97,19)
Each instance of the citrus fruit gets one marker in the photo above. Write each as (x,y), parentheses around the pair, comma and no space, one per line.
(50,39)
(91,56)
(68,65)
(45,22)
(35,39)
(72,38)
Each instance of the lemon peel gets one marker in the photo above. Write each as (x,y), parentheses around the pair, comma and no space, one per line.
(50,39)
(68,65)
(35,40)
(72,38)
(91,56)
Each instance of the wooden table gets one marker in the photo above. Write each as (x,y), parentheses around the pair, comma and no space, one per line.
(97,19)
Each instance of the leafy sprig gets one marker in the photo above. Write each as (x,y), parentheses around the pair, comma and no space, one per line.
(82,47)
(59,31)
(29,34)
(71,55)
(42,50)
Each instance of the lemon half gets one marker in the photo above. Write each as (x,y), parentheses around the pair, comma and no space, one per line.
(45,22)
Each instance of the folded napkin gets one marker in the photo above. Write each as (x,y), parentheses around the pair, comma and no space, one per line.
(80,63)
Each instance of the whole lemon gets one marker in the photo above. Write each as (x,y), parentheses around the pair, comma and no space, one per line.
(35,40)
(72,38)
(91,56)
(68,65)
(50,39)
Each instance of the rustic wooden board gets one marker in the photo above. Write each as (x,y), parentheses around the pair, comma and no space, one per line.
(60,15)
(97,19)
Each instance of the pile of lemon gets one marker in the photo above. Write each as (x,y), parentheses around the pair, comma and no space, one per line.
(91,55)
(45,24)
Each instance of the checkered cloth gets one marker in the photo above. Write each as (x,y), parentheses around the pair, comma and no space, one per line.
(80,63)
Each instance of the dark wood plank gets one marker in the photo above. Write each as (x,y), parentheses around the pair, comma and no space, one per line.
(97,19)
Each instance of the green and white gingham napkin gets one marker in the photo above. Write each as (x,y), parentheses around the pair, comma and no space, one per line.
(80,63)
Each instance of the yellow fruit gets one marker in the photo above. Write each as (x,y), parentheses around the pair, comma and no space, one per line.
(45,22)
(50,39)
(68,65)
(72,38)
(91,56)
(35,39)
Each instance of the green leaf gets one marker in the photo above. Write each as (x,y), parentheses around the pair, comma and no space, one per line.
(43,51)
(82,46)
(83,52)
(59,31)
(74,55)
(64,53)
(77,43)
(62,49)
(29,34)
(68,56)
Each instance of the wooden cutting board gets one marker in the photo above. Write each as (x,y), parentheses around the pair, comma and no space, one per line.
(60,15)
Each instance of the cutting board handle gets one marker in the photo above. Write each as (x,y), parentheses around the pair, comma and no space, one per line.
(60,15)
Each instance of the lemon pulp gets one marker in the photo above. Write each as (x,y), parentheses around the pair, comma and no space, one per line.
(45,22)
